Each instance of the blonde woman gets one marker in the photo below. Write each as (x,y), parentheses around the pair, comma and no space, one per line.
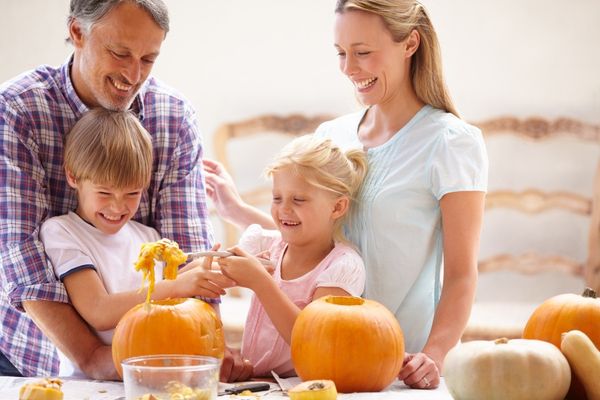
(419,214)
(314,184)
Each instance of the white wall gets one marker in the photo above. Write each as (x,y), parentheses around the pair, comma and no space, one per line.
(237,58)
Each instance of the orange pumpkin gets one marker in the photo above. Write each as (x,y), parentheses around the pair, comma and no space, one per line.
(171,326)
(564,313)
(356,343)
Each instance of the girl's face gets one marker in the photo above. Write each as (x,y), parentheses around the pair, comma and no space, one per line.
(377,66)
(105,207)
(302,212)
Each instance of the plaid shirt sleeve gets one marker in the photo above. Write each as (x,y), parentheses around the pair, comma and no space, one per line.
(24,272)
(181,210)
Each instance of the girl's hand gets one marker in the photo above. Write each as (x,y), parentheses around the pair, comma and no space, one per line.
(266,255)
(198,279)
(419,371)
(243,268)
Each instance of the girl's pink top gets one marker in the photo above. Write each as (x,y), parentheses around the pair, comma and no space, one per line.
(342,268)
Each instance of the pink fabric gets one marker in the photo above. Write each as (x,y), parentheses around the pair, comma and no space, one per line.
(262,345)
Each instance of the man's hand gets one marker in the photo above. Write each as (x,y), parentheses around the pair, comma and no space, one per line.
(61,323)
(235,368)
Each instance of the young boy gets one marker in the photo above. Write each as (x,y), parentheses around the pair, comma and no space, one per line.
(108,161)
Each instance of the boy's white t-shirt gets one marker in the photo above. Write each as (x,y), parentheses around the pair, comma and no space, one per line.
(73,244)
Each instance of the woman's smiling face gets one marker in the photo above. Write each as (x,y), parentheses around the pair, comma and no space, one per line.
(368,55)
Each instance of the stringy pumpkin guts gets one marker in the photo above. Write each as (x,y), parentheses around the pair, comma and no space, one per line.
(163,250)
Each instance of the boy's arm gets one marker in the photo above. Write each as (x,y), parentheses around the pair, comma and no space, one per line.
(103,310)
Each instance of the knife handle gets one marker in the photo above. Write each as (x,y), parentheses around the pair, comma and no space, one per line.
(253,387)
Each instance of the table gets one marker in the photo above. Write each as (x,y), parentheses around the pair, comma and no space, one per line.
(78,389)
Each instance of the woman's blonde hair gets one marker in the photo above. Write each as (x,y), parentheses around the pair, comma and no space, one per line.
(324,165)
(401,17)
(109,147)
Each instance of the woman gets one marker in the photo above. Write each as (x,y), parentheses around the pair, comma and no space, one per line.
(421,204)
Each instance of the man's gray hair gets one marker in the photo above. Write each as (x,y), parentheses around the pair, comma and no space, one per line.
(88,12)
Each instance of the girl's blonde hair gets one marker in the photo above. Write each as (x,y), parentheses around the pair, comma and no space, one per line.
(109,147)
(324,165)
(401,17)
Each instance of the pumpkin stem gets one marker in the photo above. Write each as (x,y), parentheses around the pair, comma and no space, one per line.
(589,292)
(501,341)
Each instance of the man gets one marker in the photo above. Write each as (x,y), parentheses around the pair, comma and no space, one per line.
(116,43)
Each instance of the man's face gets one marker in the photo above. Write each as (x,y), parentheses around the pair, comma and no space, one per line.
(112,61)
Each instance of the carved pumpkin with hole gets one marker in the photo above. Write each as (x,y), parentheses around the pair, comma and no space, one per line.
(356,343)
(169,326)
(172,326)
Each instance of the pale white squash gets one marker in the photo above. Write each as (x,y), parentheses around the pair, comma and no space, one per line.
(518,369)
(584,359)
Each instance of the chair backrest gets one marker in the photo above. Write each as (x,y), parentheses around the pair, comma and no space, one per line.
(246,147)
(541,226)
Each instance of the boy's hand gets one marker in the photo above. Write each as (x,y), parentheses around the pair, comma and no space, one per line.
(198,279)
(199,282)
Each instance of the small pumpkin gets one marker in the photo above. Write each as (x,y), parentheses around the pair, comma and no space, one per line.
(44,389)
(171,326)
(356,343)
(504,369)
(564,313)
(313,390)
(584,358)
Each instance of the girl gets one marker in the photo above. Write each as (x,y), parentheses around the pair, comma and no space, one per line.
(314,183)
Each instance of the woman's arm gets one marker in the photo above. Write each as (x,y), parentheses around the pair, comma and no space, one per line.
(228,202)
(462,214)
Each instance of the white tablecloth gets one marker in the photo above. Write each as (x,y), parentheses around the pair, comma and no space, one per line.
(101,390)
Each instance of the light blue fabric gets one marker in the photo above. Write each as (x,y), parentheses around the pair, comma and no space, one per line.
(396,222)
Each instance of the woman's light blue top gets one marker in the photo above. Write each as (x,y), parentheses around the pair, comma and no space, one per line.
(396,222)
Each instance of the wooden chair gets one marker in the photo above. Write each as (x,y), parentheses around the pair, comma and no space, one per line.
(541,231)
(255,141)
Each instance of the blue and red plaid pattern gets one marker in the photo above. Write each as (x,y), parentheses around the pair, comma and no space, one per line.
(37,109)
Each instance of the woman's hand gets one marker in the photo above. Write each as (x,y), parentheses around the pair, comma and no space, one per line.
(419,371)
(243,268)
(221,189)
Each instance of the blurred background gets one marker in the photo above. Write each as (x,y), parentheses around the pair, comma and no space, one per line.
(237,59)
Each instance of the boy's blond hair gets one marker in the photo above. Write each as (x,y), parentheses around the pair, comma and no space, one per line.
(109,148)
(324,165)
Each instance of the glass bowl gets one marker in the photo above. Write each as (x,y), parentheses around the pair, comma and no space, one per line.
(170,377)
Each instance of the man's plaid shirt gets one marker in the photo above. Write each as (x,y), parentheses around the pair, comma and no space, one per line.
(37,110)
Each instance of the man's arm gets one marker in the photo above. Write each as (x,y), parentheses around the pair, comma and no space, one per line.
(69,332)
(25,275)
